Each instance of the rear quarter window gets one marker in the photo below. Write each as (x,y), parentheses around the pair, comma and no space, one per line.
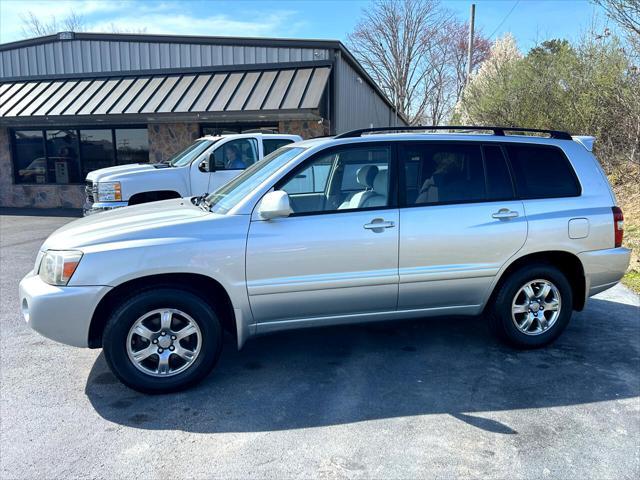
(542,172)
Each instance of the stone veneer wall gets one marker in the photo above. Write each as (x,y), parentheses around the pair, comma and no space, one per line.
(305,128)
(166,139)
(39,196)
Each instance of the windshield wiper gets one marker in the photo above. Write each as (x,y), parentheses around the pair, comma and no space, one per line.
(201,201)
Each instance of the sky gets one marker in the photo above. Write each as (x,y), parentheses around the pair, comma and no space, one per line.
(530,21)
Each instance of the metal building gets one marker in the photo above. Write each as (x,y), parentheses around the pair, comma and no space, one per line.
(74,102)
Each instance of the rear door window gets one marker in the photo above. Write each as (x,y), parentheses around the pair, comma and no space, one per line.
(542,172)
(438,173)
(271,145)
(499,184)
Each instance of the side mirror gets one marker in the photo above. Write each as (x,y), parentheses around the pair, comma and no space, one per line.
(207,165)
(275,205)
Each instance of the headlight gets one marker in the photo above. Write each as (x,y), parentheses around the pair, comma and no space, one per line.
(109,192)
(57,266)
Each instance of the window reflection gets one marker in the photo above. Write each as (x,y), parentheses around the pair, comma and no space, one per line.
(30,163)
(96,148)
(62,153)
(132,145)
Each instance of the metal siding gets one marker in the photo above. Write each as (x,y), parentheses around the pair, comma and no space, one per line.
(55,98)
(144,95)
(238,55)
(176,94)
(243,91)
(15,62)
(40,61)
(26,100)
(131,94)
(192,94)
(206,54)
(14,96)
(217,54)
(358,105)
(160,94)
(278,90)
(209,93)
(41,99)
(61,57)
(297,88)
(260,91)
(113,97)
(316,88)
(83,98)
(227,55)
(233,91)
(226,92)
(98,97)
(174,56)
(68,99)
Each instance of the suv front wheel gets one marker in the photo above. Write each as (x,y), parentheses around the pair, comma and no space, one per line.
(162,340)
(532,306)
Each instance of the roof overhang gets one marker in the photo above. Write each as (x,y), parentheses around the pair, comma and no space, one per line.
(269,92)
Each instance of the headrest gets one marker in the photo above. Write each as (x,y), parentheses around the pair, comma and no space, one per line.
(366,175)
(380,183)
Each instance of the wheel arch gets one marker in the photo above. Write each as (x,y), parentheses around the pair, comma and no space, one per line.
(567,262)
(152,196)
(207,288)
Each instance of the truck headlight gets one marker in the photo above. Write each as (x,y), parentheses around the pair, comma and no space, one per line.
(57,266)
(109,192)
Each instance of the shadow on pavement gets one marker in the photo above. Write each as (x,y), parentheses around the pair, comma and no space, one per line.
(339,375)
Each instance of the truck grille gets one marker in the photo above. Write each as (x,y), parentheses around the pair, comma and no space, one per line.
(88,190)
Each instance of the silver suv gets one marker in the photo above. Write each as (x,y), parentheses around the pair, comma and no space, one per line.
(518,229)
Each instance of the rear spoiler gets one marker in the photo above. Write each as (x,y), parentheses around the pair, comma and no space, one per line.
(586,141)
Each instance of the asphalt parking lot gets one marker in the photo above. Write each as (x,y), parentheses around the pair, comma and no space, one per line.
(434,398)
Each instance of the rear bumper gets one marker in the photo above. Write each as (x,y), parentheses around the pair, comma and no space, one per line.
(62,314)
(604,268)
(91,208)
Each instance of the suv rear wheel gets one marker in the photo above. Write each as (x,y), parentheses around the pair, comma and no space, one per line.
(532,306)
(162,340)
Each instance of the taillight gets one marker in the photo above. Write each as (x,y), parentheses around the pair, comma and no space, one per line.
(618,225)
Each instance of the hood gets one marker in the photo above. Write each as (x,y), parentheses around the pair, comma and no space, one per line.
(116,173)
(145,221)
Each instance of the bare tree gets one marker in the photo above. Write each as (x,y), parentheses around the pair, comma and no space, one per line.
(624,12)
(390,42)
(447,69)
(32,26)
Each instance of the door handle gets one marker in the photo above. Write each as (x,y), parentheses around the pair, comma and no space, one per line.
(504,213)
(378,225)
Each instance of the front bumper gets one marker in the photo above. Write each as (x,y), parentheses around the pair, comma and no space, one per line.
(604,268)
(62,314)
(91,208)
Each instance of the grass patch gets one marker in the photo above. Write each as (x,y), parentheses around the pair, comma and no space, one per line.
(632,280)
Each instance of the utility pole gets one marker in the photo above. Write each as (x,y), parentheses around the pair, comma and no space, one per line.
(470,43)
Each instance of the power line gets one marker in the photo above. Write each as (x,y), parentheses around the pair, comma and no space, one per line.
(504,19)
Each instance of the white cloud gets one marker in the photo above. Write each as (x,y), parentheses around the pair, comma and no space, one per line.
(150,17)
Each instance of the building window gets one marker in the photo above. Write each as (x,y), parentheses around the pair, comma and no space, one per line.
(132,145)
(30,163)
(96,148)
(63,156)
(63,164)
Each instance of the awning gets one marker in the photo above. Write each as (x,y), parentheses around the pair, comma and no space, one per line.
(232,91)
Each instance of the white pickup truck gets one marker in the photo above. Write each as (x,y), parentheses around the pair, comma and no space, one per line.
(202,167)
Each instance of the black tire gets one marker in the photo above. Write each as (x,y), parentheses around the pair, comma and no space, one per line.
(500,316)
(114,339)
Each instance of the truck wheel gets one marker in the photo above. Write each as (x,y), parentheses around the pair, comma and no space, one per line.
(532,306)
(162,340)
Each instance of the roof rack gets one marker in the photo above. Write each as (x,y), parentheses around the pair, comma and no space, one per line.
(499,131)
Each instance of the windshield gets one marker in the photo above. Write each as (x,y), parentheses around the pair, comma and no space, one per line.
(186,156)
(228,196)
